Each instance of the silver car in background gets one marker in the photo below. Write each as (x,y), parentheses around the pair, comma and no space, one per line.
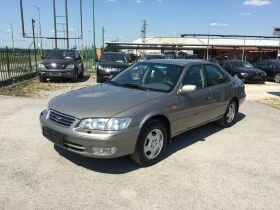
(138,111)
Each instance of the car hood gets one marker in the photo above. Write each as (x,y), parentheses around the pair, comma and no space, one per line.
(248,70)
(58,61)
(113,64)
(100,101)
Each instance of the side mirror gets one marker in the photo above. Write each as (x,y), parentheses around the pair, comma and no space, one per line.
(96,60)
(188,89)
(79,58)
(43,57)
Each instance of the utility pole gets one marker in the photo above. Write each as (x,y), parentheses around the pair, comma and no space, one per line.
(103,32)
(78,34)
(88,39)
(41,44)
(13,35)
(67,31)
(33,25)
(94,47)
(207,56)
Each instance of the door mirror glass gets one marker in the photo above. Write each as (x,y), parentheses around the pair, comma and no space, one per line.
(188,89)
(43,57)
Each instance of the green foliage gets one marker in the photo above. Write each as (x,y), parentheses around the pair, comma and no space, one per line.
(112,47)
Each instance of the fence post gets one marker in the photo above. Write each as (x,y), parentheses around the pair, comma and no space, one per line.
(30,65)
(8,62)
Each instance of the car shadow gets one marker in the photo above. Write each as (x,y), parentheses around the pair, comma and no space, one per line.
(60,80)
(274,93)
(122,165)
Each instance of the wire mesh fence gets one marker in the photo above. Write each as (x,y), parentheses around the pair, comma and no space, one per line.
(16,65)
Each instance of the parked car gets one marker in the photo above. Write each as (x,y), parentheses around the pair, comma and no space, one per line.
(153,56)
(271,67)
(139,114)
(110,64)
(61,63)
(244,70)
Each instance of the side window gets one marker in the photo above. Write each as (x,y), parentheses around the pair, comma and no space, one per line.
(195,76)
(215,76)
(227,64)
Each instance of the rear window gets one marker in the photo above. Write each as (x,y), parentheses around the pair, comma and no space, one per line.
(118,58)
(150,57)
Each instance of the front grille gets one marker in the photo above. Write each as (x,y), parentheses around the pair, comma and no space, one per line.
(55,66)
(257,74)
(60,119)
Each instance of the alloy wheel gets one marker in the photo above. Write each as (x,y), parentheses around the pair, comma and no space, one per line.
(231,113)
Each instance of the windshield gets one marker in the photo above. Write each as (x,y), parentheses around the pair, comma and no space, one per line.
(119,58)
(61,54)
(150,76)
(241,64)
(277,63)
(150,57)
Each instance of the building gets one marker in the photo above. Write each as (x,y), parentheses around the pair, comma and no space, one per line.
(251,48)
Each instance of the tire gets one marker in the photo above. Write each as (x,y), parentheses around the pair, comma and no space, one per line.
(75,78)
(277,78)
(236,76)
(81,75)
(99,80)
(42,79)
(149,151)
(227,121)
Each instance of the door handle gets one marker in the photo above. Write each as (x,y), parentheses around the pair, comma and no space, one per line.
(207,97)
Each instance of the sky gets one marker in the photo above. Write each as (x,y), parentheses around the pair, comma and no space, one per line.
(122,19)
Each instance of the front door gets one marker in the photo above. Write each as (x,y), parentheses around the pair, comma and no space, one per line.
(270,68)
(193,108)
(221,90)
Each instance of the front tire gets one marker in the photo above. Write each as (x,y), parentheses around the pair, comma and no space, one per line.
(277,78)
(236,76)
(42,79)
(75,78)
(81,75)
(228,119)
(151,144)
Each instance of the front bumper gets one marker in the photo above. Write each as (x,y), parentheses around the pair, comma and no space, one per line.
(56,73)
(104,75)
(251,78)
(82,142)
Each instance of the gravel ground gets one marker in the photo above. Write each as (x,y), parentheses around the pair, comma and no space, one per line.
(207,168)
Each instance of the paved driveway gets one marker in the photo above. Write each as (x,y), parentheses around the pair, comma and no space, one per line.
(207,168)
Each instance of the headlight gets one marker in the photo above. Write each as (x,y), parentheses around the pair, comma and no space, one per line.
(244,74)
(101,67)
(115,124)
(94,124)
(42,66)
(70,66)
(112,124)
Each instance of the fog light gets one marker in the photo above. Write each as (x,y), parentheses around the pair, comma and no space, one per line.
(104,151)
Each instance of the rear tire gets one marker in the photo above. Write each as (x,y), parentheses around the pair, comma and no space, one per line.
(277,78)
(228,119)
(42,79)
(151,144)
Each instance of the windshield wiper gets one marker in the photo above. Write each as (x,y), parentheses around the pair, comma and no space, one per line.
(134,86)
(112,82)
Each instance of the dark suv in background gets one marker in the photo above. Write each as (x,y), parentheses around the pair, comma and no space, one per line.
(153,56)
(110,64)
(61,64)
(271,67)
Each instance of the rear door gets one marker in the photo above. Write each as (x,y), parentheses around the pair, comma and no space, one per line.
(221,90)
(270,68)
(193,108)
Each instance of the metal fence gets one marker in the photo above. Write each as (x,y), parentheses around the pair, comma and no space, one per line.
(87,56)
(16,65)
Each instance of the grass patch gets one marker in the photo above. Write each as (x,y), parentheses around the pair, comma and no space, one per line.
(30,89)
(273,102)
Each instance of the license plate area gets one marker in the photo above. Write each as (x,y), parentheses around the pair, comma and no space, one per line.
(54,136)
(115,69)
(55,73)
(257,77)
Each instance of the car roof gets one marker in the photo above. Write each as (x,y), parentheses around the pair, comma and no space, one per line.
(270,60)
(181,62)
(234,60)
(154,54)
